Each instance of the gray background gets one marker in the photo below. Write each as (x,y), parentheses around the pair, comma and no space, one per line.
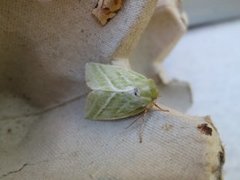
(209,59)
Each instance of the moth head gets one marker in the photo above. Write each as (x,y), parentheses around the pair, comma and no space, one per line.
(149,90)
(153,89)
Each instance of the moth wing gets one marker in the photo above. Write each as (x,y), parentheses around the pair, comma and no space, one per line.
(111,78)
(106,105)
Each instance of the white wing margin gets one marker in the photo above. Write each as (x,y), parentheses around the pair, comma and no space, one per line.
(111,78)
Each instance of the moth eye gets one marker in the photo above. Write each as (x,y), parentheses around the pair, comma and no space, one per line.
(136,92)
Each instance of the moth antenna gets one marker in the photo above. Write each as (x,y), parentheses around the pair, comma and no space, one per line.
(159,108)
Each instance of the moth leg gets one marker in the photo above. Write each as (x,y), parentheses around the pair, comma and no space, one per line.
(134,121)
(142,126)
(159,108)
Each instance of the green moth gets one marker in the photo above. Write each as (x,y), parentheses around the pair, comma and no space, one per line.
(117,92)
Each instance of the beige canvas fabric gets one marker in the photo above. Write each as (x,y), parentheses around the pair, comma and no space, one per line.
(168,22)
(44,46)
(63,145)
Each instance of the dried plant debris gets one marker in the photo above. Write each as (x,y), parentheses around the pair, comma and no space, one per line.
(107,9)
(205,129)
(219,169)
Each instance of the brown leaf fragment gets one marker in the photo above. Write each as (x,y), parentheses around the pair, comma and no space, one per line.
(106,10)
(205,129)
